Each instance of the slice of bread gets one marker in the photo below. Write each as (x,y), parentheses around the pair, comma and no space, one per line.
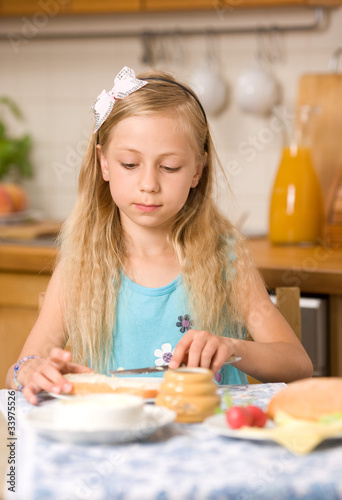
(89,383)
(308,399)
(147,390)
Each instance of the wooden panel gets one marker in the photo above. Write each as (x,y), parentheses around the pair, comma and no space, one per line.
(324,91)
(27,258)
(288,304)
(309,283)
(335,313)
(36,8)
(230,4)
(89,6)
(315,269)
(178,4)
(15,325)
(277,3)
(333,226)
(21,289)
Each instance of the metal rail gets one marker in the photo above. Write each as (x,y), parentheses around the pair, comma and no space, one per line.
(317,23)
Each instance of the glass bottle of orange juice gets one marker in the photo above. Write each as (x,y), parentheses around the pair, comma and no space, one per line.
(296,211)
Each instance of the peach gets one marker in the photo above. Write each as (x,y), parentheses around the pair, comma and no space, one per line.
(6,203)
(18,196)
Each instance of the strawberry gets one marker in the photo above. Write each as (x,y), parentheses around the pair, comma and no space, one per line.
(238,416)
(258,415)
(250,416)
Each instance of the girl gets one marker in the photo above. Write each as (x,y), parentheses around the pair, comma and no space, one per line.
(150,272)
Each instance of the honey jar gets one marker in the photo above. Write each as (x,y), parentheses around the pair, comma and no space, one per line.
(190,392)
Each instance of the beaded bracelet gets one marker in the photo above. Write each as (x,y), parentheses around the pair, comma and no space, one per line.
(16,368)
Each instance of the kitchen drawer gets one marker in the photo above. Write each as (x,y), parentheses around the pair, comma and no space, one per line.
(15,325)
(20,289)
(19,293)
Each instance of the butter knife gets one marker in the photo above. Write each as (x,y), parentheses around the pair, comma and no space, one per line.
(160,369)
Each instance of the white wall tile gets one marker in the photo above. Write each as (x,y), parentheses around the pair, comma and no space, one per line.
(56,82)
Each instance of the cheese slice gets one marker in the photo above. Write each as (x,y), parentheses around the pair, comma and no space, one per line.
(298,436)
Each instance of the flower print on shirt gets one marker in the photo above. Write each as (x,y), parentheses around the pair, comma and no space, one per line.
(163,355)
(185,323)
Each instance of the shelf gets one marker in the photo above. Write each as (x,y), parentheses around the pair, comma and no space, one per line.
(51,8)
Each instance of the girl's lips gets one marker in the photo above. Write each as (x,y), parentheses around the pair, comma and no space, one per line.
(147,208)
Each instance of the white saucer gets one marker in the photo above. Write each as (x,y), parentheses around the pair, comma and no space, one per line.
(44,421)
(217,423)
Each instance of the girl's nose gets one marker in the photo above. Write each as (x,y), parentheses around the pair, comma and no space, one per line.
(149,180)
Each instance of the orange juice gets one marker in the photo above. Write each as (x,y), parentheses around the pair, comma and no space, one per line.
(296,213)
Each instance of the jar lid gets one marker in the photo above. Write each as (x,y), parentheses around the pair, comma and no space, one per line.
(191,375)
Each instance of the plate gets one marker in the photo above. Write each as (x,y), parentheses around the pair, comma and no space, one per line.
(44,421)
(298,436)
(217,423)
(29,215)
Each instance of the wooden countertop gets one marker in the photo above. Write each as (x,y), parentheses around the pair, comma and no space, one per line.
(29,247)
(314,269)
(27,258)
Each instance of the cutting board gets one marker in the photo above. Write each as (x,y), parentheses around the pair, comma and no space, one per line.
(30,231)
(324,91)
(333,228)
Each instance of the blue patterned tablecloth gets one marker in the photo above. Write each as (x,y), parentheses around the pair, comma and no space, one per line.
(178,462)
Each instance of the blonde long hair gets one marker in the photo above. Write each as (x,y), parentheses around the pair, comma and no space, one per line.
(214,265)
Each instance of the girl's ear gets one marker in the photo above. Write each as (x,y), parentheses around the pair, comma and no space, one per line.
(199,169)
(103,162)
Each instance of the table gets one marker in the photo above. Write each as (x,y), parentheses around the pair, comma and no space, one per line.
(177,462)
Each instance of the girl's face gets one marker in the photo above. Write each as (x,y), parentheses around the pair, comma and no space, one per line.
(150,166)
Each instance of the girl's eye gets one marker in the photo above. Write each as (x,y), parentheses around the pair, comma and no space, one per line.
(128,165)
(170,169)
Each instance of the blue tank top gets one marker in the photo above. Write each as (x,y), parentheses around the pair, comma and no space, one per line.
(149,324)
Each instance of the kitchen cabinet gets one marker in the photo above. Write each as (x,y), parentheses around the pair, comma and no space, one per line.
(33,7)
(180,4)
(230,5)
(55,7)
(89,6)
(24,273)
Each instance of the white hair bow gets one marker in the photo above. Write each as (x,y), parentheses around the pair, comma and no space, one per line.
(125,83)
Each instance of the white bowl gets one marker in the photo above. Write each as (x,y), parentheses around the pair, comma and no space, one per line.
(257,91)
(210,88)
(120,411)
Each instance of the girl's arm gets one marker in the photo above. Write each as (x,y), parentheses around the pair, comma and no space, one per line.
(46,340)
(275,355)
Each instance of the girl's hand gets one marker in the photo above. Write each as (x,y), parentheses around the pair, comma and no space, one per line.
(46,374)
(201,348)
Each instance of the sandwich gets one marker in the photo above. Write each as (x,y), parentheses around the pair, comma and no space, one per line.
(95,383)
(313,399)
(306,413)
